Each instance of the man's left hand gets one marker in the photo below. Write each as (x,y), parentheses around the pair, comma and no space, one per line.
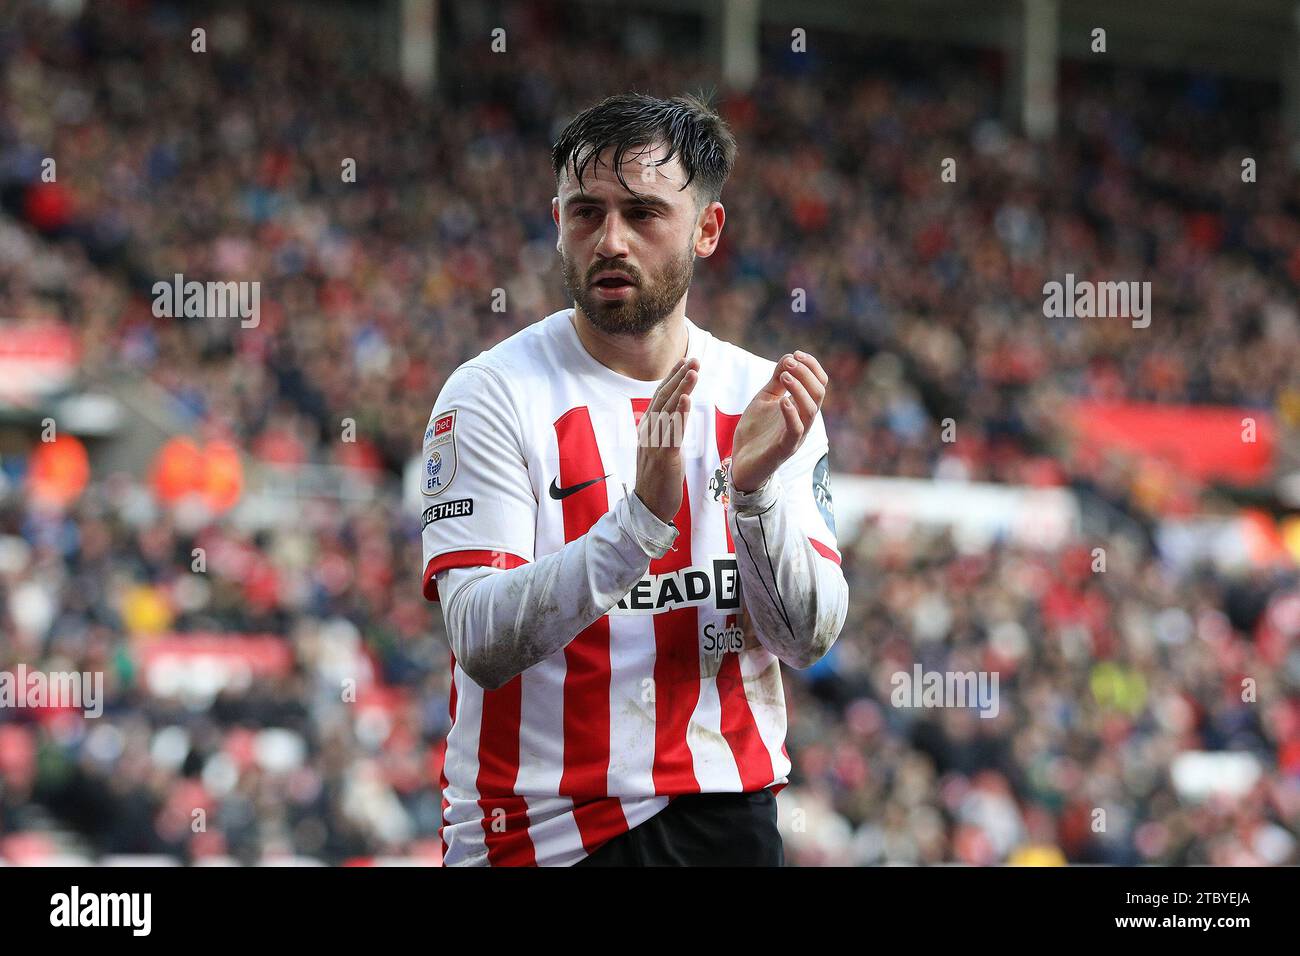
(776,421)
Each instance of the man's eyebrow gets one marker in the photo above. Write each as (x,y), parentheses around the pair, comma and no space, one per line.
(653,202)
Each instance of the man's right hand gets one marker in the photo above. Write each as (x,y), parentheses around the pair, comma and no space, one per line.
(659,470)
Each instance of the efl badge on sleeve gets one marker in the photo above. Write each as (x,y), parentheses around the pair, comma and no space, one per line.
(822,491)
(439,454)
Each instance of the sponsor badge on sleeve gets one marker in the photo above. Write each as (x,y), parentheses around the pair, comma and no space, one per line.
(439,454)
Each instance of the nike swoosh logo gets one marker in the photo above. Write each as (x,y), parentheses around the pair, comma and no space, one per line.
(560,494)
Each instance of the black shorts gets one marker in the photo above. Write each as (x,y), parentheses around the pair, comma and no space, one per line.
(701,829)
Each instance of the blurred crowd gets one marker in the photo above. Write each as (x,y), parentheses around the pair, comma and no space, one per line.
(923,300)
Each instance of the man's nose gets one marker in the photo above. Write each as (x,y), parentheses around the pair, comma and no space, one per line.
(613,238)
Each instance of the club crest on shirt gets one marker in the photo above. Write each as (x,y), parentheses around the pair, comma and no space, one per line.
(718,483)
(439,466)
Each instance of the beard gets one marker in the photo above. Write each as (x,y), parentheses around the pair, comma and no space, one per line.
(643,309)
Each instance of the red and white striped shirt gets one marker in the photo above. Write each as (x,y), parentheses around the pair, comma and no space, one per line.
(669,691)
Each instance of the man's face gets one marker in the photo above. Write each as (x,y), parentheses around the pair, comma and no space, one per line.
(628,257)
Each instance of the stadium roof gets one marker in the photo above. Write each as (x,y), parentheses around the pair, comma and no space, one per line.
(1246,37)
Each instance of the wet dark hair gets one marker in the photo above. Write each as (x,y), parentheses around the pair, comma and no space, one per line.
(693,131)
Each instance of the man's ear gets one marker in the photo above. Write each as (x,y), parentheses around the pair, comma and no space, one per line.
(555,214)
(709,228)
